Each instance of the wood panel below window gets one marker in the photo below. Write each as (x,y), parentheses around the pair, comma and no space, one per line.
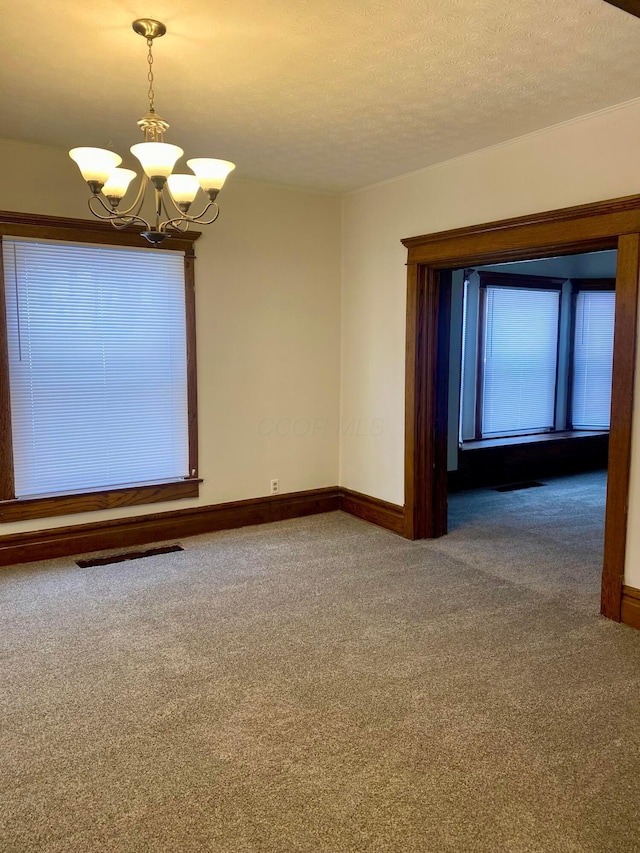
(495,462)
(23,509)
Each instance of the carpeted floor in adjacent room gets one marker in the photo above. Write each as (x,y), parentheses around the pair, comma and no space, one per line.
(322,685)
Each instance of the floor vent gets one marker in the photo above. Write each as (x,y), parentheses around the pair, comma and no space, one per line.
(515,487)
(130,555)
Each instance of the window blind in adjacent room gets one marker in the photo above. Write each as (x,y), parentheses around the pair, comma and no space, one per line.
(97,363)
(520,351)
(593,359)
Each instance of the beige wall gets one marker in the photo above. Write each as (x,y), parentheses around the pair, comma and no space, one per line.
(268,328)
(583,161)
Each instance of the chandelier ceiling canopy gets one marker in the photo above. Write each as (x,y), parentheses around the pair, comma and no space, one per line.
(173,193)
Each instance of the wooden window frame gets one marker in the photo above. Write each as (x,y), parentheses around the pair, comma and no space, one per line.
(531,282)
(12,509)
(613,224)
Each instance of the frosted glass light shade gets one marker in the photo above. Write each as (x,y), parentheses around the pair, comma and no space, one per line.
(211,173)
(157,158)
(118,183)
(95,164)
(183,188)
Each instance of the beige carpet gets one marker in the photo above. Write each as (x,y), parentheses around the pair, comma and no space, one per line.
(322,685)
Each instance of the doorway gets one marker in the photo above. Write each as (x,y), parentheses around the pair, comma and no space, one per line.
(530,369)
(588,228)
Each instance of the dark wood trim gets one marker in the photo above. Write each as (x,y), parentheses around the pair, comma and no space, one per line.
(508,279)
(7,489)
(192,370)
(23,509)
(37,226)
(630,6)
(159,527)
(585,228)
(622,388)
(630,611)
(426,401)
(382,513)
(441,404)
(578,284)
(565,231)
(414,403)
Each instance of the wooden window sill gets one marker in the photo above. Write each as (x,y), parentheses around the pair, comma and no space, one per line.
(22,509)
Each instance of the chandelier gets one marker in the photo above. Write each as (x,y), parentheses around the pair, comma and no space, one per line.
(173,193)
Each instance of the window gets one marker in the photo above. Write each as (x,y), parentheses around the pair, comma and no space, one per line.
(540,358)
(100,372)
(592,359)
(520,360)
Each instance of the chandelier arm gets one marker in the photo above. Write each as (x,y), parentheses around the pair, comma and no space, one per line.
(198,220)
(176,225)
(130,220)
(116,213)
(109,210)
(165,209)
(173,204)
(169,222)
(114,218)
(139,199)
(181,213)
(183,217)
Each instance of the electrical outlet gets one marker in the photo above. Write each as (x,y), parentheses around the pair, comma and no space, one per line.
(275,487)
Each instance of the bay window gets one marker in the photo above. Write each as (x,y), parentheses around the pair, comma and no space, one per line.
(537,355)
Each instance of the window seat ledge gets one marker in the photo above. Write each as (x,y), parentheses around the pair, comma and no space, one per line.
(538,438)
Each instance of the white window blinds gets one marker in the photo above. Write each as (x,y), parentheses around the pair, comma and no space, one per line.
(593,359)
(97,363)
(520,349)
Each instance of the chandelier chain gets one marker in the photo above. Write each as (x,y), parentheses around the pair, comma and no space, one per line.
(151,94)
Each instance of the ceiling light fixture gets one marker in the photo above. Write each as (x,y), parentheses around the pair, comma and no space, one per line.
(173,193)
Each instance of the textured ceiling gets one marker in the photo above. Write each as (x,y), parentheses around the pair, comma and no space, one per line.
(317,93)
